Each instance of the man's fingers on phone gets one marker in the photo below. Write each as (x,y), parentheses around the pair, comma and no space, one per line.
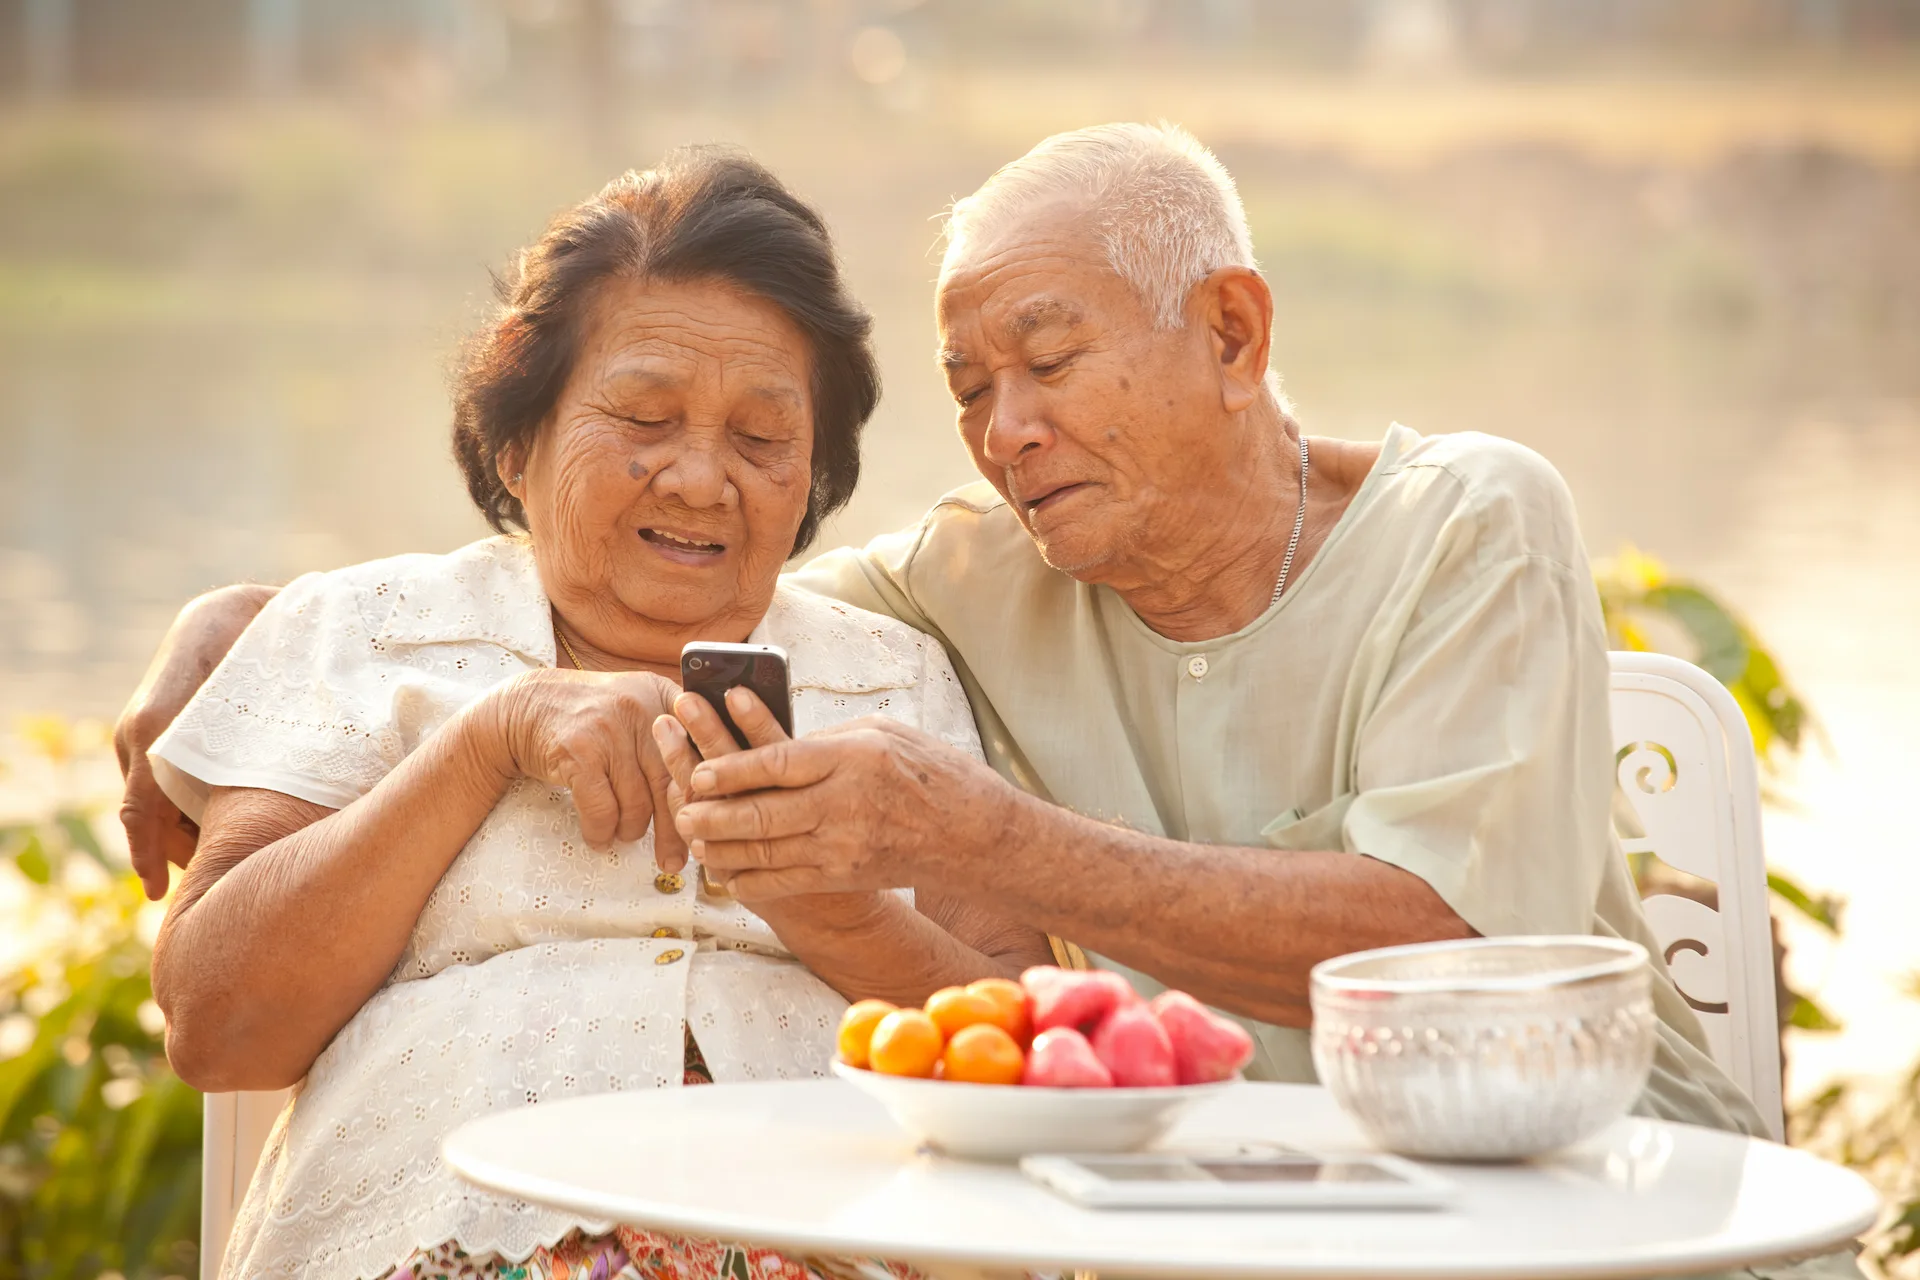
(751,714)
(676,751)
(704,726)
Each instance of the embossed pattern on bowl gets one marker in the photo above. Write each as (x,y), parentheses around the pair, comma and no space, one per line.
(1488,1049)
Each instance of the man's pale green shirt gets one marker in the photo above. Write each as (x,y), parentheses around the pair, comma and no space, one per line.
(1432,691)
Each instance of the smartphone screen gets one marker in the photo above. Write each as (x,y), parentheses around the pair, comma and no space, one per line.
(711,669)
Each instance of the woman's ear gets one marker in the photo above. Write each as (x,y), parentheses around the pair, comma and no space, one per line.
(1238,308)
(510,465)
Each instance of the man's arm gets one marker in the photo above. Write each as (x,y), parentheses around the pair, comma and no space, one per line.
(881,804)
(157,832)
(1482,783)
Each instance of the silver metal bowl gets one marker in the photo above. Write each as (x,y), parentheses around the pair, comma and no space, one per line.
(1489,1049)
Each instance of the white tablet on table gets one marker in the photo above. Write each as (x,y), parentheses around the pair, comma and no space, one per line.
(1287,1180)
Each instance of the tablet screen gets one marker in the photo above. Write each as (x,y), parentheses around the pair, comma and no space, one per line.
(1295,1169)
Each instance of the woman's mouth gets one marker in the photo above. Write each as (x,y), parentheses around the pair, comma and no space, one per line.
(682,548)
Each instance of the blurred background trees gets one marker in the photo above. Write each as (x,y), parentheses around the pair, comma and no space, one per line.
(1674,247)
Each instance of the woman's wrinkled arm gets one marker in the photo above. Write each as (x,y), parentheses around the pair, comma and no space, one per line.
(291,915)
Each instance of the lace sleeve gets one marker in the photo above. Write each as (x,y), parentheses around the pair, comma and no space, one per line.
(298,706)
(944,710)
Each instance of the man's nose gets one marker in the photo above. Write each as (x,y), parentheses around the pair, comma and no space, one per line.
(696,474)
(1018,423)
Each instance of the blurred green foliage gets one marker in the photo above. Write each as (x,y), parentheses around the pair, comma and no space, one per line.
(1878,1133)
(99,1142)
(1875,1131)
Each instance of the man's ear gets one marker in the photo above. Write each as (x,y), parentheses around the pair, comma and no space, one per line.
(1238,309)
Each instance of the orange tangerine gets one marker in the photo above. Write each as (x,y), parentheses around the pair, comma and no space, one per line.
(1010,1007)
(856,1029)
(982,1054)
(952,1008)
(905,1043)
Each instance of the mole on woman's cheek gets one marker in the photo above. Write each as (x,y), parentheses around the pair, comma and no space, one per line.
(636,471)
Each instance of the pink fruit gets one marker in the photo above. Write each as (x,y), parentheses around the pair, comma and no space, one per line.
(1073,997)
(1206,1046)
(1134,1045)
(1062,1059)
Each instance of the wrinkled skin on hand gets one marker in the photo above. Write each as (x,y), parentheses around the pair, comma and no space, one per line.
(863,806)
(590,732)
(158,834)
(694,733)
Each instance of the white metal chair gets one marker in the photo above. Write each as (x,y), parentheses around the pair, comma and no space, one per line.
(1684,760)
(234,1131)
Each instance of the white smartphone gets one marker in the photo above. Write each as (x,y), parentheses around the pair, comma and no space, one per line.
(1290,1180)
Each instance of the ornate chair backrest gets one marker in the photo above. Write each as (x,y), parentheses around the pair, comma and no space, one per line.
(233,1133)
(1684,762)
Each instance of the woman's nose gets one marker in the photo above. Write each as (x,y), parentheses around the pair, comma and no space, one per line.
(696,476)
(1016,425)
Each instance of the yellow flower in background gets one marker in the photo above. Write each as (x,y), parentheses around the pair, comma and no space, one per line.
(49,735)
(1631,569)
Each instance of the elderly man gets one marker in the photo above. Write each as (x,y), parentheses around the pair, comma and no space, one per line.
(1252,699)
(1212,660)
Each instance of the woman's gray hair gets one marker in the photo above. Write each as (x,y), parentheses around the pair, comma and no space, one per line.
(1165,209)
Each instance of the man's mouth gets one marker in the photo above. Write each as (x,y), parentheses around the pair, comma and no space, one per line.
(681,547)
(1045,498)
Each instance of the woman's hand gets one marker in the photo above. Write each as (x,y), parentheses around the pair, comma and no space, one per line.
(590,732)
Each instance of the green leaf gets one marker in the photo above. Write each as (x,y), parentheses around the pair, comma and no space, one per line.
(1903,1233)
(1722,646)
(1769,696)
(80,836)
(33,862)
(1808,1016)
(1823,911)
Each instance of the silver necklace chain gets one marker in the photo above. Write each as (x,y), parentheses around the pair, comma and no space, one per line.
(1299,523)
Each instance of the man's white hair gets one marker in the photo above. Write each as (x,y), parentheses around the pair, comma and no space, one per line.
(1166,211)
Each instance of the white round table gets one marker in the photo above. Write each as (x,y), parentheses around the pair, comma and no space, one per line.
(816,1167)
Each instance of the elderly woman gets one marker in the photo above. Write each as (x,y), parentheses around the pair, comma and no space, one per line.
(426,885)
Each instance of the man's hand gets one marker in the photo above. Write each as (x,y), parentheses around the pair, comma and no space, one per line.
(866,805)
(157,832)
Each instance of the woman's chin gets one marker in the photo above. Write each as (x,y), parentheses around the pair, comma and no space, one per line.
(688,598)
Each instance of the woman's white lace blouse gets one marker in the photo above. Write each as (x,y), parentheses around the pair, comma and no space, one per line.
(538,969)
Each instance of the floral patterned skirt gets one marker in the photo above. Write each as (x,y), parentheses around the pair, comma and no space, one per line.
(629,1254)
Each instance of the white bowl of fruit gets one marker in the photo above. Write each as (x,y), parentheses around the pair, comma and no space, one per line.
(1062,1061)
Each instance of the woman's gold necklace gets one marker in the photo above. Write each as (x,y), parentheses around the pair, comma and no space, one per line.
(561,636)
